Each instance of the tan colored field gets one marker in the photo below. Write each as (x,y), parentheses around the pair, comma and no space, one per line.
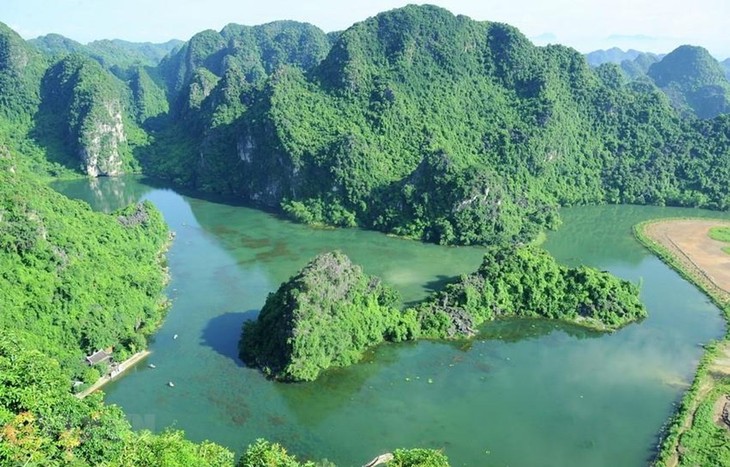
(689,241)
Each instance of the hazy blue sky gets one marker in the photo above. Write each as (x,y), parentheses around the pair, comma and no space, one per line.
(652,25)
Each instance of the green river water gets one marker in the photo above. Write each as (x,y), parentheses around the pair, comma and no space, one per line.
(526,393)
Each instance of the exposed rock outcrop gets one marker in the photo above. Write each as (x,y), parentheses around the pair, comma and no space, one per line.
(100,153)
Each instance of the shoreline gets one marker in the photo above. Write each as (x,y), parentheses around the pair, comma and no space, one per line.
(123,367)
(163,304)
(714,361)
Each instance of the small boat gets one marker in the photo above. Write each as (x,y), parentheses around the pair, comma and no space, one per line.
(175,336)
(171,384)
(152,365)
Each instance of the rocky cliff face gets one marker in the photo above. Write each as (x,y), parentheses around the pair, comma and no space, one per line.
(100,148)
(84,106)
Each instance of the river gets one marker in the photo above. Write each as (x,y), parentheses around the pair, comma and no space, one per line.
(526,393)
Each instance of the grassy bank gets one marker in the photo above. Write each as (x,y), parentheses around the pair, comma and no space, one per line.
(692,437)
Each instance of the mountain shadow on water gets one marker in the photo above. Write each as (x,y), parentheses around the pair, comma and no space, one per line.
(223,332)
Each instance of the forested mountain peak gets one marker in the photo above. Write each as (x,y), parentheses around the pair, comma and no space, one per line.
(693,79)
(53,44)
(21,67)
(426,42)
(325,316)
(253,50)
(690,64)
(417,40)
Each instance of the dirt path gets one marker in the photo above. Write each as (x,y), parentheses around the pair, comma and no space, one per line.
(124,366)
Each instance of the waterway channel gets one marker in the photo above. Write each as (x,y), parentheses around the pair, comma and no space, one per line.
(525,393)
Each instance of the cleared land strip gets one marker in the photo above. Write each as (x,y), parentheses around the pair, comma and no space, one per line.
(686,246)
(689,241)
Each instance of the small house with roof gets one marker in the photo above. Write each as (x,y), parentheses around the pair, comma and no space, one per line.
(100,356)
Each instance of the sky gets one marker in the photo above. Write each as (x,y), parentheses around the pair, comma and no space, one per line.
(648,25)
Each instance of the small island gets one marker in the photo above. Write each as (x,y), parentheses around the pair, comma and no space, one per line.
(525,281)
(330,312)
(325,316)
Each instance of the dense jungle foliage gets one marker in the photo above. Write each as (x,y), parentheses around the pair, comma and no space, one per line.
(528,282)
(415,122)
(76,281)
(43,424)
(265,454)
(325,316)
(434,126)
(330,312)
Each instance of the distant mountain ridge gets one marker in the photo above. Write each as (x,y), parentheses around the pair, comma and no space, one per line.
(612,55)
(693,80)
(633,62)
(109,53)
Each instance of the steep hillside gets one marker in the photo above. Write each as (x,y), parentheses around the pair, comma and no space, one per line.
(694,81)
(21,69)
(84,113)
(640,65)
(325,316)
(213,82)
(75,281)
(70,111)
(251,51)
(432,126)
